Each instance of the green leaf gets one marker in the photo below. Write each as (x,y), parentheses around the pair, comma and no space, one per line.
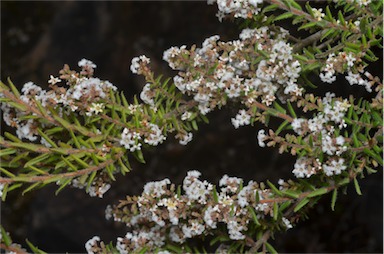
(13,88)
(274,189)
(6,172)
(37,159)
(291,194)
(357,186)
(275,211)
(373,155)
(341,18)
(254,216)
(308,25)
(278,107)
(301,204)
(31,187)
(7,151)
(33,248)
(139,156)
(270,248)
(269,8)
(5,237)
(327,33)
(291,110)
(296,5)
(284,16)
(215,196)
(318,192)
(281,127)
(334,198)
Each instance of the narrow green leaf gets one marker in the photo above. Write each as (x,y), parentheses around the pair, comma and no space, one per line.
(31,187)
(6,172)
(308,25)
(278,107)
(284,16)
(341,18)
(334,198)
(7,151)
(269,8)
(270,248)
(194,125)
(357,186)
(275,211)
(62,185)
(215,195)
(254,216)
(296,5)
(274,189)
(301,204)
(5,237)
(33,248)
(13,88)
(318,192)
(37,170)
(37,159)
(281,127)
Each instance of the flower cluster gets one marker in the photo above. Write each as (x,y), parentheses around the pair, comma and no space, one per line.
(152,135)
(239,8)
(330,142)
(85,95)
(344,62)
(223,71)
(162,214)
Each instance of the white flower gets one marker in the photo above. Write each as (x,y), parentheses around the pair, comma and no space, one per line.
(130,140)
(186,115)
(156,189)
(261,137)
(297,125)
(350,60)
(96,108)
(135,64)
(301,169)
(146,95)
(86,63)
(185,139)
(318,14)
(52,80)
(195,229)
(210,216)
(327,77)
(334,167)
(234,230)
(1,189)
(327,145)
(90,243)
(287,223)
(155,136)
(242,118)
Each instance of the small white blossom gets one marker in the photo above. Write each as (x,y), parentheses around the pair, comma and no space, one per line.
(52,80)
(287,223)
(185,139)
(318,14)
(302,169)
(90,243)
(261,138)
(86,63)
(334,167)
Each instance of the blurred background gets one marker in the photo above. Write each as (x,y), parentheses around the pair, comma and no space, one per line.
(37,38)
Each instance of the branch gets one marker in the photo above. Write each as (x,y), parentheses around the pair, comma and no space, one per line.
(33,179)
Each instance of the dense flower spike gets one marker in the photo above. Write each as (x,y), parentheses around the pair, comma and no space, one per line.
(197,212)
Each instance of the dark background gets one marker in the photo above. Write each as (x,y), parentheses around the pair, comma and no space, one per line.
(37,38)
